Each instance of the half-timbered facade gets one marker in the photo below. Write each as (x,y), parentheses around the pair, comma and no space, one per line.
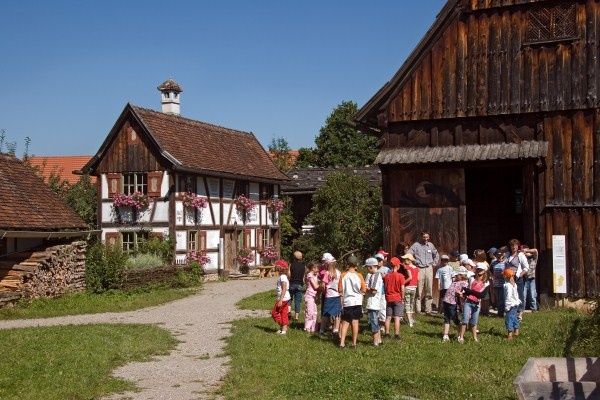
(165,157)
(491,130)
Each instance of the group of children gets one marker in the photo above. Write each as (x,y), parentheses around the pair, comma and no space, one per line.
(390,292)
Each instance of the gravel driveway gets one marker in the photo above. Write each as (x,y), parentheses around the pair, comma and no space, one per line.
(194,369)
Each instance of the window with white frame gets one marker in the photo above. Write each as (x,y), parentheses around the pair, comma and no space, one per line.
(192,240)
(135,182)
(266,238)
(132,240)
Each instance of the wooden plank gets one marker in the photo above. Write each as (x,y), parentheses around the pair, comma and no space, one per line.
(494,65)
(437,60)
(579,91)
(472,57)
(426,87)
(516,83)
(482,67)
(452,79)
(575,252)
(446,74)
(592,53)
(506,71)
(590,263)
(549,162)
(596,243)
(558,161)
(461,70)
(415,82)
(596,157)
(535,81)
(529,216)
(578,150)
(567,134)
(544,79)
(587,139)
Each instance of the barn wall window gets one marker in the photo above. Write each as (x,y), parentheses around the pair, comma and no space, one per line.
(136,182)
(192,240)
(551,24)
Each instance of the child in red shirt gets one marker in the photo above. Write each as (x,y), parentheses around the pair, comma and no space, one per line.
(394,296)
(410,293)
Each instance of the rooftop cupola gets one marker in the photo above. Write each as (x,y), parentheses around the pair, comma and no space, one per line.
(169,97)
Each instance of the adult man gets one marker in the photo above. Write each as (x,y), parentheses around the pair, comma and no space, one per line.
(426,257)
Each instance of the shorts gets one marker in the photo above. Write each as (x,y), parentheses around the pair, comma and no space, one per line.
(394,309)
(471,313)
(351,313)
(449,312)
(373,320)
(332,307)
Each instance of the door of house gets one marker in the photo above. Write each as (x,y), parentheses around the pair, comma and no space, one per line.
(230,251)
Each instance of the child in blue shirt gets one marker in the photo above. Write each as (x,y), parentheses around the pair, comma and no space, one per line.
(498,267)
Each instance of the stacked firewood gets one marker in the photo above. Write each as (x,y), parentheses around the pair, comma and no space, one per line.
(48,273)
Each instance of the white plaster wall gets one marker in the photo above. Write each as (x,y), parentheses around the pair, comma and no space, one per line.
(164,187)
(226,208)
(144,216)
(178,213)
(162,211)
(212,239)
(214,260)
(181,240)
(103,186)
(217,212)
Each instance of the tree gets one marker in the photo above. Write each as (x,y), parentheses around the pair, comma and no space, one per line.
(347,215)
(82,197)
(306,158)
(280,151)
(339,143)
(286,226)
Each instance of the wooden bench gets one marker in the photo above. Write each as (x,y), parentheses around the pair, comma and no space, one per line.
(266,271)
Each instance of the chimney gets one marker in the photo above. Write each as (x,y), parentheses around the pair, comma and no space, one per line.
(169,97)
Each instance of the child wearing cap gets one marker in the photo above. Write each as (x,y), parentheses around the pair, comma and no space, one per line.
(282,298)
(311,282)
(474,293)
(394,295)
(410,292)
(449,302)
(332,307)
(443,277)
(375,298)
(498,266)
(352,288)
(383,269)
(511,304)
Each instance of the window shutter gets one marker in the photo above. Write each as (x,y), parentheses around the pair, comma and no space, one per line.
(114,184)
(259,239)
(112,238)
(154,183)
(201,240)
(247,237)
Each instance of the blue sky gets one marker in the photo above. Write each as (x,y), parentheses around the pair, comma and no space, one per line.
(275,68)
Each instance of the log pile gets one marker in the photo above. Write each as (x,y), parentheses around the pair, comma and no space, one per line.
(46,273)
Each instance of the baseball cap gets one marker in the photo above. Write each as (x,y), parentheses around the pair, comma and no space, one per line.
(352,260)
(444,257)
(327,257)
(468,261)
(482,265)
(455,253)
(463,257)
(281,264)
(492,250)
(371,261)
(379,256)
(385,253)
(460,271)
(395,261)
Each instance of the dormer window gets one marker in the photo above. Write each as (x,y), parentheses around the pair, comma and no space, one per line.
(551,24)
(136,182)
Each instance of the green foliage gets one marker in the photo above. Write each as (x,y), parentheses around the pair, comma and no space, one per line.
(419,363)
(82,197)
(306,158)
(286,221)
(309,246)
(280,150)
(104,267)
(340,143)
(159,247)
(184,279)
(346,214)
(75,362)
(144,262)
(584,336)
(258,301)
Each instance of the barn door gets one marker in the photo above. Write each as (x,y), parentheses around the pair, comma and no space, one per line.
(230,251)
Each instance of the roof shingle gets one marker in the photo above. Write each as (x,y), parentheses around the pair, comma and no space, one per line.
(27,203)
(62,166)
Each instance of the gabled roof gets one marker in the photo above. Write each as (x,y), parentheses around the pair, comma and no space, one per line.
(27,203)
(63,166)
(198,147)
(367,115)
(308,180)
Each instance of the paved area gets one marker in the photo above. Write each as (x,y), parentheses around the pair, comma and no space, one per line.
(194,369)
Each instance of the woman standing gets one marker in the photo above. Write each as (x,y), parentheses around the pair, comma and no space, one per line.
(517,261)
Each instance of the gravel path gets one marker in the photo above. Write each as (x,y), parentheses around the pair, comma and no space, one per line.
(194,369)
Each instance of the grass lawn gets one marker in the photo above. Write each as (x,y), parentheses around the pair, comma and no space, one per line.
(74,362)
(89,303)
(267,366)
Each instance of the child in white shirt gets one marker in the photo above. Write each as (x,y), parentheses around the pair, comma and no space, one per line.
(282,298)
(375,298)
(511,304)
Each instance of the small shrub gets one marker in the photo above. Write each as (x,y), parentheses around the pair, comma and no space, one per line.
(185,279)
(162,248)
(144,262)
(104,267)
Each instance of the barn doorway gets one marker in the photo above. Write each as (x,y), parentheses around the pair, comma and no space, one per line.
(494,200)
(230,251)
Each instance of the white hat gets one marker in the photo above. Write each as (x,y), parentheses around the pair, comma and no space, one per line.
(371,262)
(463,257)
(327,257)
(469,262)
(461,271)
(482,265)
(379,256)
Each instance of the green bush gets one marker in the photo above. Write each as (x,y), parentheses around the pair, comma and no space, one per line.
(162,248)
(144,262)
(584,336)
(184,279)
(104,267)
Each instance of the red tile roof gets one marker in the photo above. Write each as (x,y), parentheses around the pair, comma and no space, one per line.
(27,203)
(62,166)
(200,146)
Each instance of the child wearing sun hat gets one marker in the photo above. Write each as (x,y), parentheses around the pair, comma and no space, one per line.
(449,301)
(375,297)
(282,298)
(511,304)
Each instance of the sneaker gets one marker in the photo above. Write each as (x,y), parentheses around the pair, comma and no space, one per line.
(476,340)
(411,324)
(281,332)
(446,338)
(460,340)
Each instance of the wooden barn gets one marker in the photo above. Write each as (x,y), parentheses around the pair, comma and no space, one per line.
(491,130)
(170,161)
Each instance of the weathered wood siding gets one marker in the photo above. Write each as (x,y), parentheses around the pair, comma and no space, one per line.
(480,65)
(129,152)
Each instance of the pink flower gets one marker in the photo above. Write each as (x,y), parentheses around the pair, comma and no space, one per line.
(199,257)
(245,256)
(275,205)
(243,203)
(137,200)
(191,200)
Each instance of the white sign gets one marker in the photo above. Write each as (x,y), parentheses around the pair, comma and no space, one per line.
(559,263)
